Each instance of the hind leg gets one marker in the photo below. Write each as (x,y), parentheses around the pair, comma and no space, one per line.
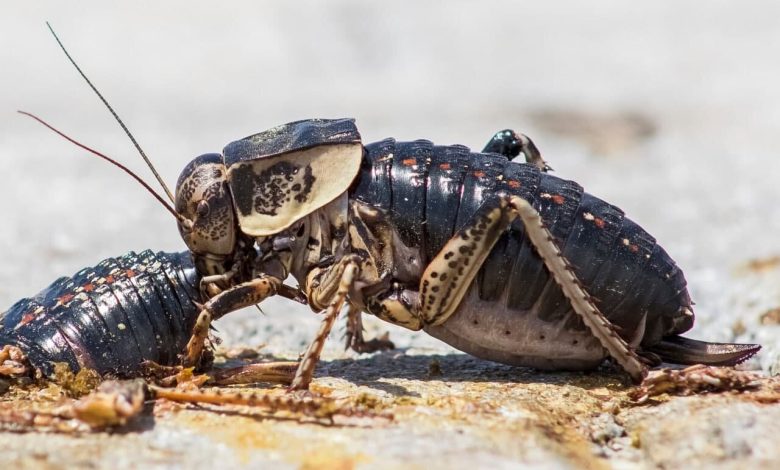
(511,144)
(355,339)
(450,274)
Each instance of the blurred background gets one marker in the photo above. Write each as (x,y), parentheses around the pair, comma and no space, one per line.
(670,111)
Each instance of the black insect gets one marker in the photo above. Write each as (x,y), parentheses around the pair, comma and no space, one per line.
(109,318)
(498,258)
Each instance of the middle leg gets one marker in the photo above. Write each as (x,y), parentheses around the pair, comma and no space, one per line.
(330,285)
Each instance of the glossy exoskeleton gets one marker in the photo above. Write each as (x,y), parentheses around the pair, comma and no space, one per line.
(497,258)
(109,318)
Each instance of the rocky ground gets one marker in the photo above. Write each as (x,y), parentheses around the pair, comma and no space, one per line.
(429,411)
(669,111)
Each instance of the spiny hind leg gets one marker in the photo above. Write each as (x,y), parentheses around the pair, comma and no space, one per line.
(511,144)
(581,301)
(320,408)
(449,275)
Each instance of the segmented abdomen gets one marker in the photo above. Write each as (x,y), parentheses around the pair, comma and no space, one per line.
(110,317)
(430,191)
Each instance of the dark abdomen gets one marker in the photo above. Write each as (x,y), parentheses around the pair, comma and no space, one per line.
(110,317)
(429,191)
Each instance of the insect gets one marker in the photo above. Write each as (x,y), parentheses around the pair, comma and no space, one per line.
(114,318)
(127,317)
(498,258)
(109,318)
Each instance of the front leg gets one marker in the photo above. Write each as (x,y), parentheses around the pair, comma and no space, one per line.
(329,286)
(240,296)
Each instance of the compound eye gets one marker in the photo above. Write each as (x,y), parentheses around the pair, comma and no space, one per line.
(203,209)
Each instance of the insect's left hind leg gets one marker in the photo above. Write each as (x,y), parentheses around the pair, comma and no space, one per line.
(450,274)
(355,340)
(511,144)
(329,287)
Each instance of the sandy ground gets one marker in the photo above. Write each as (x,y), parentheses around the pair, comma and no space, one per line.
(669,111)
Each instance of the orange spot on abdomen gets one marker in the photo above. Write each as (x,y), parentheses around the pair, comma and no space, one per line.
(26,318)
(513,184)
(409,162)
(558,199)
(445,166)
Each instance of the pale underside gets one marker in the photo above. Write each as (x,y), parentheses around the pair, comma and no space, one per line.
(492,331)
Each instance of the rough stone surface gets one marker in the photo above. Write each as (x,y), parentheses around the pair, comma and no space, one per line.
(449,411)
(669,111)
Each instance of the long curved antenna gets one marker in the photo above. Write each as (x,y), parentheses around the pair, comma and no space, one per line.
(143,183)
(132,139)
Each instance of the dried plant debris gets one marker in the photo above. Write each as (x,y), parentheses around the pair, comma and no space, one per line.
(761,265)
(694,380)
(114,404)
(608,133)
(277,372)
(769,393)
(77,384)
(771,317)
(13,362)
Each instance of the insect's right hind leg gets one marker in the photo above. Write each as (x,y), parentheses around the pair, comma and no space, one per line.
(511,144)
(581,301)
(449,275)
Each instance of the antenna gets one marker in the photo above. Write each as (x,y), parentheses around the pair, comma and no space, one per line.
(186,222)
(113,113)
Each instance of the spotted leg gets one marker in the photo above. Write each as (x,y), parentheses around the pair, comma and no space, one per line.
(323,408)
(511,144)
(449,275)
(240,296)
(329,287)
